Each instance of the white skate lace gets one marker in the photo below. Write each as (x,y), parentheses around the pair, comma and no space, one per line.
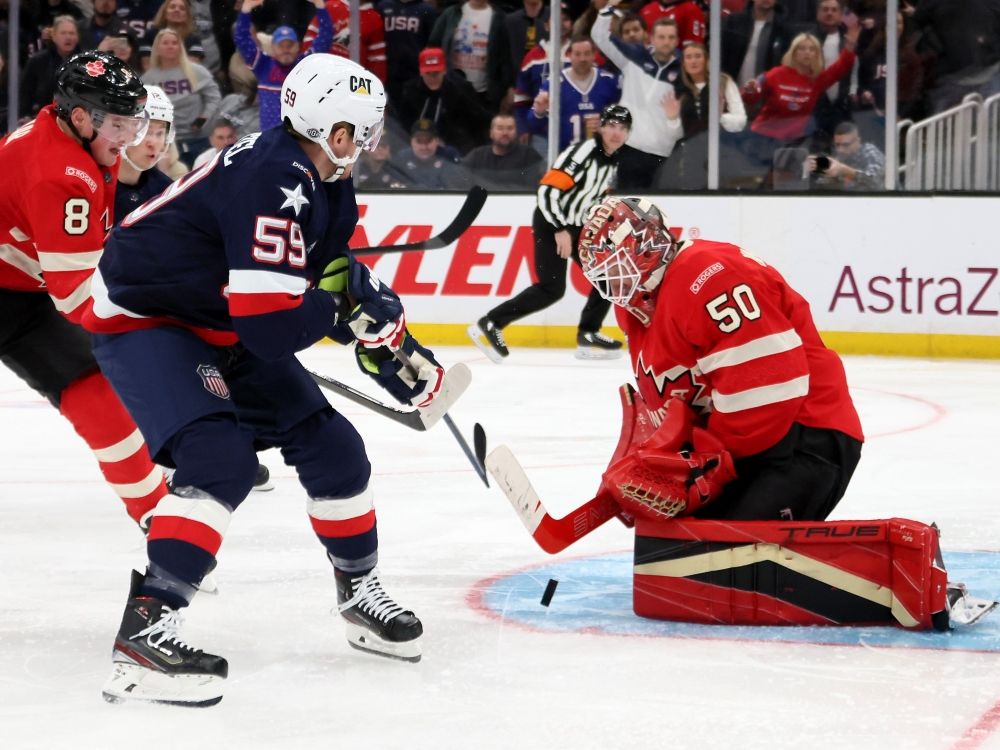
(496,333)
(168,628)
(370,597)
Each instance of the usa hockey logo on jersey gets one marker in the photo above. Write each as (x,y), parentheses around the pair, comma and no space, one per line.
(213,381)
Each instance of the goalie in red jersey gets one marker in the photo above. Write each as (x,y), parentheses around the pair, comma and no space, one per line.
(740,442)
(722,333)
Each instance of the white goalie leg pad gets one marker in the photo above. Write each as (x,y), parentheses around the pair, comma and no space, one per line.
(131,681)
(364,639)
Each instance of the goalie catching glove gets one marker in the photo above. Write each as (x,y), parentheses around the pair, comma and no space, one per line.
(410,372)
(665,476)
(375,313)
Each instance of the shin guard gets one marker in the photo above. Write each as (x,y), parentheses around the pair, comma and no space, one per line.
(789,573)
(97,415)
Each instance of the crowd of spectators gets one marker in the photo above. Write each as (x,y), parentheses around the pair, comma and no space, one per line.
(469,81)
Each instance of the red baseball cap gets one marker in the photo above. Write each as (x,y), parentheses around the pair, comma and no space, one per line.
(432,60)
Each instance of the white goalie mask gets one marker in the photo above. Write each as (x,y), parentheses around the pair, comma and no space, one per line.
(324,90)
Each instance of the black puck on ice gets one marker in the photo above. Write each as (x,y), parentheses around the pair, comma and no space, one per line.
(550,589)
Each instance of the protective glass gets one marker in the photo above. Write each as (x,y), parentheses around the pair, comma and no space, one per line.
(120,130)
(616,278)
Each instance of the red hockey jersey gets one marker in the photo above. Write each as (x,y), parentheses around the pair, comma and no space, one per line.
(56,207)
(688,15)
(731,338)
(372,35)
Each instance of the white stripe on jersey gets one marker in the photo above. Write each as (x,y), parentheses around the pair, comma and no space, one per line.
(12,256)
(776,343)
(263,282)
(727,403)
(77,297)
(86,261)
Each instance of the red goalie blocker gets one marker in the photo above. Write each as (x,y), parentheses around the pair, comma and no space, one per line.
(790,573)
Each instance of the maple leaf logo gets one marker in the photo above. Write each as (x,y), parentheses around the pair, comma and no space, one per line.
(95,68)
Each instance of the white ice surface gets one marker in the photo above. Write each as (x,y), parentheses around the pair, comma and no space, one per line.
(66,548)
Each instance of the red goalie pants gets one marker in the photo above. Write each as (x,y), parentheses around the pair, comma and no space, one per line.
(789,573)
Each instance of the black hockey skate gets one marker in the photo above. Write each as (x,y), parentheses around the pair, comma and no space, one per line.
(590,345)
(375,623)
(151,662)
(489,339)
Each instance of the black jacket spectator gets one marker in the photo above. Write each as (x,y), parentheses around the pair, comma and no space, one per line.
(38,80)
(454,108)
(104,22)
(737,32)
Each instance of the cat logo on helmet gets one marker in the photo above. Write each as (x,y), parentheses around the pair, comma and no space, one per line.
(95,69)
(360,85)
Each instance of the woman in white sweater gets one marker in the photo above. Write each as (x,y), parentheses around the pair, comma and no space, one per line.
(189,86)
(688,165)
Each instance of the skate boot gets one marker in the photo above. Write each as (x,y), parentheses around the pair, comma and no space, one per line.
(964,609)
(375,623)
(590,345)
(151,663)
(489,339)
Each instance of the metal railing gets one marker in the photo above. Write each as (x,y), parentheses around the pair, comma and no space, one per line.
(942,150)
(988,152)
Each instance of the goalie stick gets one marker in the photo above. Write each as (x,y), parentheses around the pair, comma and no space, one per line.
(474,202)
(552,534)
(456,380)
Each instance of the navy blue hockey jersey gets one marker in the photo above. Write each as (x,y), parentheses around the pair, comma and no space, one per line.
(152,182)
(230,251)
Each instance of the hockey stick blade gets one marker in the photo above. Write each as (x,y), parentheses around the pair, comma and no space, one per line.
(474,202)
(551,534)
(456,380)
(479,445)
(477,465)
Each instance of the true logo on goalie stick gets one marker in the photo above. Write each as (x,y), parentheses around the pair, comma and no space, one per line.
(213,381)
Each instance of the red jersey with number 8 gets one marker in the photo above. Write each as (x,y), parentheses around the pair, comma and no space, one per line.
(56,207)
(731,338)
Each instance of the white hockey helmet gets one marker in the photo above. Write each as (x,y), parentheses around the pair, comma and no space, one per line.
(323,90)
(159,107)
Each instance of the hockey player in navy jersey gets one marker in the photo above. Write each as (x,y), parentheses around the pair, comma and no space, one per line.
(202,298)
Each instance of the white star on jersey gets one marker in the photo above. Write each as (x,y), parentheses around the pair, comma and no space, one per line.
(294,198)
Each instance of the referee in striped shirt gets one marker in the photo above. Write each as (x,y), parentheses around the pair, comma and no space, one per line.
(579,179)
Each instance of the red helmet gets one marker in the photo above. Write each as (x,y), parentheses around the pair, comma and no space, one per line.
(625,248)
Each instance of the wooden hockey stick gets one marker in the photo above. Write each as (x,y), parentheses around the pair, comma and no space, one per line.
(474,202)
(456,380)
(552,534)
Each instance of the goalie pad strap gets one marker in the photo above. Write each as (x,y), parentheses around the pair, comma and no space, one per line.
(789,573)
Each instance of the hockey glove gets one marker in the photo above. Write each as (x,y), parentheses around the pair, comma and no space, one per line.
(376,313)
(662,484)
(410,373)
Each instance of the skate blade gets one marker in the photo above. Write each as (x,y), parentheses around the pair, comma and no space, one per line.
(969,610)
(134,682)
(364,640)
(592,353)
(208,585)
(479,339)
(265,487)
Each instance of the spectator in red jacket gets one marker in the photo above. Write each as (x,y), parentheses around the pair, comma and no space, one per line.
(789,92)
(688,14)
